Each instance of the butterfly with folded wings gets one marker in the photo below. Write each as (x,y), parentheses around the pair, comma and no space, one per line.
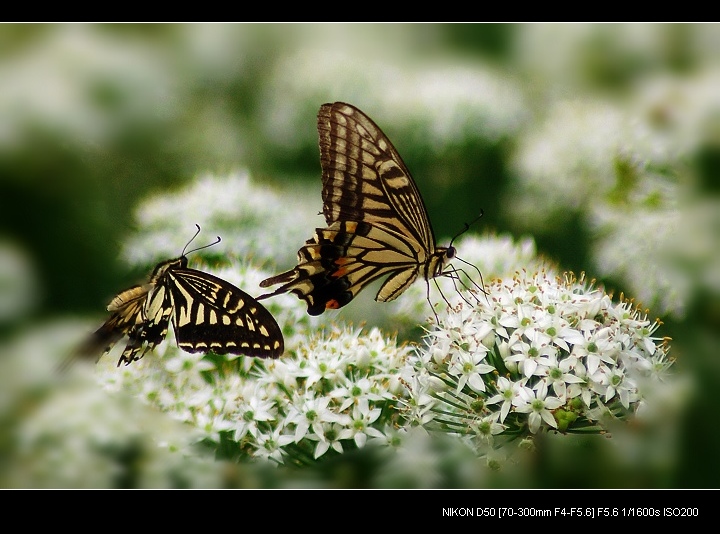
(377,221)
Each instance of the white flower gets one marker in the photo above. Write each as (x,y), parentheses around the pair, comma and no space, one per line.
(506,393)
(360,425)
(187,361)
(19,293)
(558,332)
(250,411)
(535,357)
(309,411)
(468,368)
(560,374)
(536,403)
(330,392)
(328,438)
(329,370)
(618,169)
(356,392)
(616,383)
(598,346)
(270,445)
(486,428)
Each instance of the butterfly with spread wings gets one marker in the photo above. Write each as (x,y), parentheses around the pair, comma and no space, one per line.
(377,221)
(207,313)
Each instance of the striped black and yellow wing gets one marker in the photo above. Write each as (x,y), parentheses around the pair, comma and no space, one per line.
(377,221)
(210,314)
(127,318)
(207,313)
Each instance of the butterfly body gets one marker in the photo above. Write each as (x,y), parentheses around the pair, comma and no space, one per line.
(207,313)
(377,221)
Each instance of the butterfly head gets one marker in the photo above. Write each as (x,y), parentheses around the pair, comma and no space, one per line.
(440,259)
(181,262)
(169,265)
(450,252)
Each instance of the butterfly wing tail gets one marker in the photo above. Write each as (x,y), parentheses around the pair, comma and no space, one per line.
(282,278)
(302,282)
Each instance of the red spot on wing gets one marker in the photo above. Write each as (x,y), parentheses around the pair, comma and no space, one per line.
(341,270)
(332,304)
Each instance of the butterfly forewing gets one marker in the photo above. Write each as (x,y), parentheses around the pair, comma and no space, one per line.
(364,177)
(208,312)
(377,221)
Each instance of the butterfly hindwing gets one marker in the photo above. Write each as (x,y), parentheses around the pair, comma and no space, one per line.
(377,221)
(126,319)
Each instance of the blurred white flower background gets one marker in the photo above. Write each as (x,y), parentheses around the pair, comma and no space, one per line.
(592,150)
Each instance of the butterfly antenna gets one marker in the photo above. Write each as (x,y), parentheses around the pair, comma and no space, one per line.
(467,227)
(217,240)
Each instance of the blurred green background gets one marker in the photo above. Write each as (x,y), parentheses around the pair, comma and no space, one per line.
(94,118)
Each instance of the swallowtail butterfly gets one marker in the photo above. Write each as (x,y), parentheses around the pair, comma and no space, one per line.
(377,221)
(207,313)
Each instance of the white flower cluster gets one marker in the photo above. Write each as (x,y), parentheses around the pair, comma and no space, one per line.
(84,437)
(536,353)
(336,391)
(629,172)
(450,99)
(252,220)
